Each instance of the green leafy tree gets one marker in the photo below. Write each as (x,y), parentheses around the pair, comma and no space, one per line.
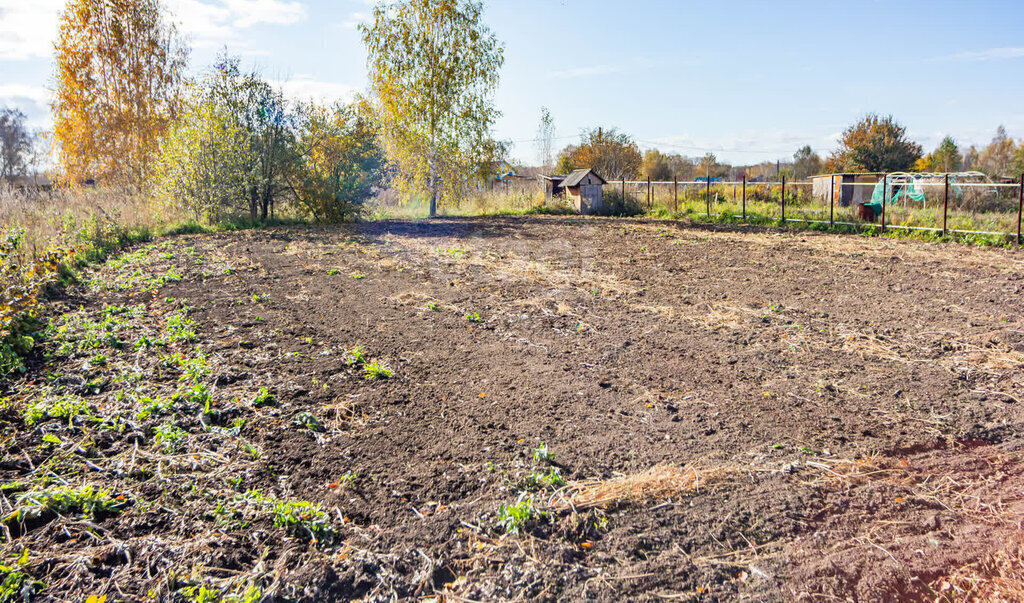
(806,163)
(997,158)
(656,165)
(262,114)
(433,70)
(945,158)
(338,163)
(874,144)
(612,154)
(201,166)
(230,147)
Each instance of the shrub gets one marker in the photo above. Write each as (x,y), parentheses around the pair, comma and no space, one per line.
(616,205)
(338,162)
(21,286)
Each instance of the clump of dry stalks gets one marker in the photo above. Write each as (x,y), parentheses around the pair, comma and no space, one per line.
(997,577)
(657,483)
(968,493)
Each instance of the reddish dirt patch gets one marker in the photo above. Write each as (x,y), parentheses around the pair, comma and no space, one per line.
(779,360)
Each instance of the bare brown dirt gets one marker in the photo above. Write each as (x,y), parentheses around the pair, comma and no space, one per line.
(843,414)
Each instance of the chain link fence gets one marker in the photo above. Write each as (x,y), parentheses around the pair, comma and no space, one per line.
(965,203)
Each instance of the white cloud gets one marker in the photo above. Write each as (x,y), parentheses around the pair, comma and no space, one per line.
(212,23)
(28,28)
(989,54)
(246,13)
(33,101)
(305,88)
(34,94)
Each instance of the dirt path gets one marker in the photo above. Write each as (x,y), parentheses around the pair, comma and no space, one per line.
(824,415)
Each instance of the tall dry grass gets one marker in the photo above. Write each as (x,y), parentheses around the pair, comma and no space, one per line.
(44,235)
(88,216)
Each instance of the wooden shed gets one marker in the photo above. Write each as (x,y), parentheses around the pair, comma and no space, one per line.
(553,185)
(584,190)
(848,189)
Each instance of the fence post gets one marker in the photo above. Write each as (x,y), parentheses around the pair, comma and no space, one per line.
(649,193)
(707,195)
(744,197)
(623,190)
(945,205)
(1020,205)
(885,197)
(675,194)
(783,200)
(831,201)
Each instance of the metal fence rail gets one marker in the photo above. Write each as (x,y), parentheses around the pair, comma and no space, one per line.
(943,206)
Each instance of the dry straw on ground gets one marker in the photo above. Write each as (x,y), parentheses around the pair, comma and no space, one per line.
(657,483)
(997,577)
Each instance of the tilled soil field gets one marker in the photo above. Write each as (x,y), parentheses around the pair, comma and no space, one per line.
(523,408)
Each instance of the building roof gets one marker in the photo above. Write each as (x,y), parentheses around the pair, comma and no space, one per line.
(577,176)
(553,177)
(849,174)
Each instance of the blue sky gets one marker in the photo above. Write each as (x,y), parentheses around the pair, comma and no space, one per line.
(751,81)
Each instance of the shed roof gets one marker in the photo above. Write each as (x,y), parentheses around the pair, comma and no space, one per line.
(577,176)
(848,174)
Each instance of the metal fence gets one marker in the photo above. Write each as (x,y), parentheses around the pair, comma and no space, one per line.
(938,204)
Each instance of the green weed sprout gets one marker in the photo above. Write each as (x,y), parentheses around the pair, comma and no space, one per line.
(306,420)
(85,502)
(264,398)
(304,519)
(538,480)
(16,583)
(154,407)
(355,357)
(473,317)
(63,408)
(377,370)
(168,435)
(541,454)
(514,518)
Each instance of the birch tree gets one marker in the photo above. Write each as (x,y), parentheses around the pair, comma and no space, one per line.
(545,139)
(119,67)
(433,69)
